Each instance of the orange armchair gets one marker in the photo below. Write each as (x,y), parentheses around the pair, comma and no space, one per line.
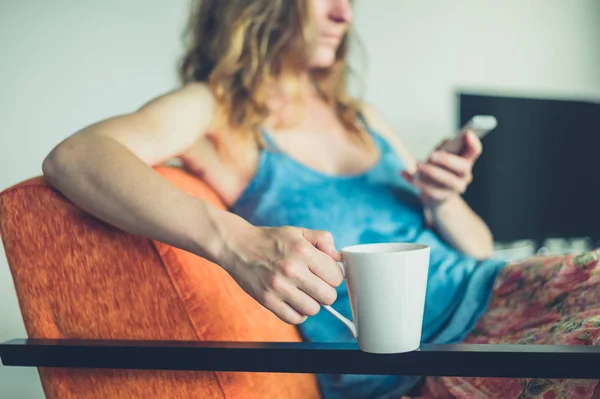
(79,278)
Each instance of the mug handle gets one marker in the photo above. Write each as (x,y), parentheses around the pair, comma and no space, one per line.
(348,323)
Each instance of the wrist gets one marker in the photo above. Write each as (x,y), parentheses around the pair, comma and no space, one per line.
(437,207)
(212,231)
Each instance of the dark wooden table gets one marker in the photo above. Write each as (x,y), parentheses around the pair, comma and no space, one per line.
(319,358)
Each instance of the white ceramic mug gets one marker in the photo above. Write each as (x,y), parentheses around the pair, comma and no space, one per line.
(386,285)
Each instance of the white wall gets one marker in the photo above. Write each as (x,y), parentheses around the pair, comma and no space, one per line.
(64,64)
(67,63)
(420,52)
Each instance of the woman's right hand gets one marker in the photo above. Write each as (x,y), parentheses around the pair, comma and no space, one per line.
(290,271)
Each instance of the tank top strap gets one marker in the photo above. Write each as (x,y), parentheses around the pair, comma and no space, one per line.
(380,142)
(270,144)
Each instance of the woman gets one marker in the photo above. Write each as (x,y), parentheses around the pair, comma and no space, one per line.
(264,118)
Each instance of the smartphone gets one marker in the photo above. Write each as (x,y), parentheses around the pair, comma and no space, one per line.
(481,125)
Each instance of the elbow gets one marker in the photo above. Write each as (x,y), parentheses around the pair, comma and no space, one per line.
(59,162)
(50,166)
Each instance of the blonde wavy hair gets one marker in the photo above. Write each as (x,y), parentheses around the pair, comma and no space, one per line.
(240,47)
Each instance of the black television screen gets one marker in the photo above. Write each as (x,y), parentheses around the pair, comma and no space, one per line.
(538,176)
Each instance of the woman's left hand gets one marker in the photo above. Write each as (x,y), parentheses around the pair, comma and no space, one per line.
(446,175)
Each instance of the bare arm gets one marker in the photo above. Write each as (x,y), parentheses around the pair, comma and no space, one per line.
(105,169)
(462,228)
(457,223)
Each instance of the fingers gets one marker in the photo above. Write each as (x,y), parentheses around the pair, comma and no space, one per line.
(317,288)
(300,301)
(290,303)
(322,261)
(303,304)
(453,163)
(323,240)
(294,273)
(440,177)
(300,271)
(282,309)
(312,270)
(432,191)
(428,189)
(325,268)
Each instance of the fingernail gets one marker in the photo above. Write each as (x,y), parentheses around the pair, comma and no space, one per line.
(435,156)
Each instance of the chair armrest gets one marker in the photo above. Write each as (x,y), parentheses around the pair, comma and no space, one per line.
(534,361)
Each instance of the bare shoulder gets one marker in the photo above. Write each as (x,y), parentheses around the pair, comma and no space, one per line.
(190,104)
(165,126)
(377,122)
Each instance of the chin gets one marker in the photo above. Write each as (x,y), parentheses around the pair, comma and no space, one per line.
(323,58)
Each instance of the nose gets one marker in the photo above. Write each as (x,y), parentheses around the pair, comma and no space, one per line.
(341,12)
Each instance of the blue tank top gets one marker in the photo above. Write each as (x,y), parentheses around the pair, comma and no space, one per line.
(375,206)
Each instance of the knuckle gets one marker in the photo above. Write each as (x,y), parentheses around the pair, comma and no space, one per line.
(290,270)
(287,230)
(297,248)
(266,298)
(300,249)
(276,282)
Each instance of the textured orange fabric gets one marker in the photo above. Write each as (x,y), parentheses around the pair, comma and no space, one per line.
(77,277)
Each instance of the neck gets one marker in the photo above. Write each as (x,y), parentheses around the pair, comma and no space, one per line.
(284,97)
